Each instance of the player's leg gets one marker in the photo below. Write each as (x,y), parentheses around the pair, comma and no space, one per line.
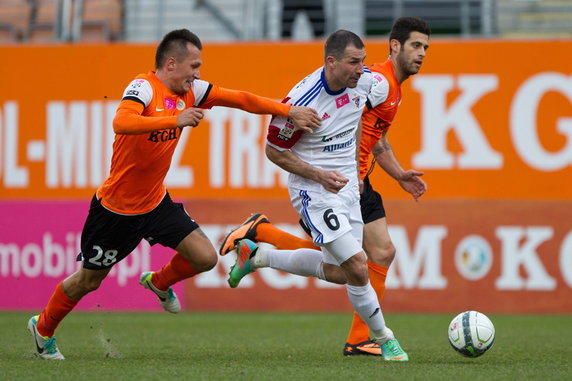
(390,348)
(303,262)
(194,254)
(198,252)
(246,230)
(307,262)
(171,226)
(63,300)
(347,250)
(258,228)
(66,295)
(106,239)
(363,298)
(380,251)
(377,243)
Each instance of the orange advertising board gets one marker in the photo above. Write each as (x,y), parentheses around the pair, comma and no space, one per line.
(488,123)
(483,119)
(452,255)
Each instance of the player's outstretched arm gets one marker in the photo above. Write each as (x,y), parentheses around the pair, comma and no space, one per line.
(129,121)
(332,181)
(304,118)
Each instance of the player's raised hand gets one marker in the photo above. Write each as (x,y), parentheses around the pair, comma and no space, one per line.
(412,183)
(332,181)
(190,117)
(304,118)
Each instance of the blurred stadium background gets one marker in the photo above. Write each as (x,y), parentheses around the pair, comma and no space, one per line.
(488,119)
(232,20)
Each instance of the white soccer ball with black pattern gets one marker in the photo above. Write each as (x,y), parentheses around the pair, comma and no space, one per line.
(471,333)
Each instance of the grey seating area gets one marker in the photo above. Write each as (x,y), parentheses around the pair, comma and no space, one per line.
(229,20)
(61,20)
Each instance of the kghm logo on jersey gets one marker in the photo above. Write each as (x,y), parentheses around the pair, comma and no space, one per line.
(286,131)
(164,135)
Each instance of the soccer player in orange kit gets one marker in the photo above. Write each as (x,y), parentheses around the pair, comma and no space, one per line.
(133,204)
(408,43)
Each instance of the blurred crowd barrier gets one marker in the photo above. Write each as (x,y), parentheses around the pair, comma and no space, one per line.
(488,122)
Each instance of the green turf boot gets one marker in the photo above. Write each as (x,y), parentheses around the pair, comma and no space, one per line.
(392,351)
(245,249)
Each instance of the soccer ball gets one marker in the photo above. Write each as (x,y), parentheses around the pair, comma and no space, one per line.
(471,333)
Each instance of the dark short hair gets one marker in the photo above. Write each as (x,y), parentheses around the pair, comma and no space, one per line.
(338,41)
(403,26)
(174,44)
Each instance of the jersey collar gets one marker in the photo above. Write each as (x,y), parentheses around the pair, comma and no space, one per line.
(323,79)
(153,76)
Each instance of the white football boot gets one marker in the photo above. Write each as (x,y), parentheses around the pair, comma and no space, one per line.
(167,299)
(45,346)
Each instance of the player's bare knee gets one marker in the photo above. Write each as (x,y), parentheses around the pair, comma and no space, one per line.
(361,272)
(334,274)
(205,262)
(356,270)
(209,263)
(389,252)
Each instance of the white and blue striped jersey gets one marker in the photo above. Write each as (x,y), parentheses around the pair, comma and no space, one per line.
(333,145)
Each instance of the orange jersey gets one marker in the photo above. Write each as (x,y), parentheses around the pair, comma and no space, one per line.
(147,135)
(381,105)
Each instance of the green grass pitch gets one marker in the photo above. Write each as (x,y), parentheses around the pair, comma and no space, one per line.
(278,346)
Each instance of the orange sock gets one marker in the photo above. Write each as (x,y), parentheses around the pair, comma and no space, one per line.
(282,240)
(359,331)
(55,311)
(175,271)
(377,276)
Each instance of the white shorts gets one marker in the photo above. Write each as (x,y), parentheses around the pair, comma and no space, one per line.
(329,217)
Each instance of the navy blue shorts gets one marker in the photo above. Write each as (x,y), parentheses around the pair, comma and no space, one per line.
(109,237)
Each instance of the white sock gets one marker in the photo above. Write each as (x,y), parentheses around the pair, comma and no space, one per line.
(304,262)
(365,303)
(260,259)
